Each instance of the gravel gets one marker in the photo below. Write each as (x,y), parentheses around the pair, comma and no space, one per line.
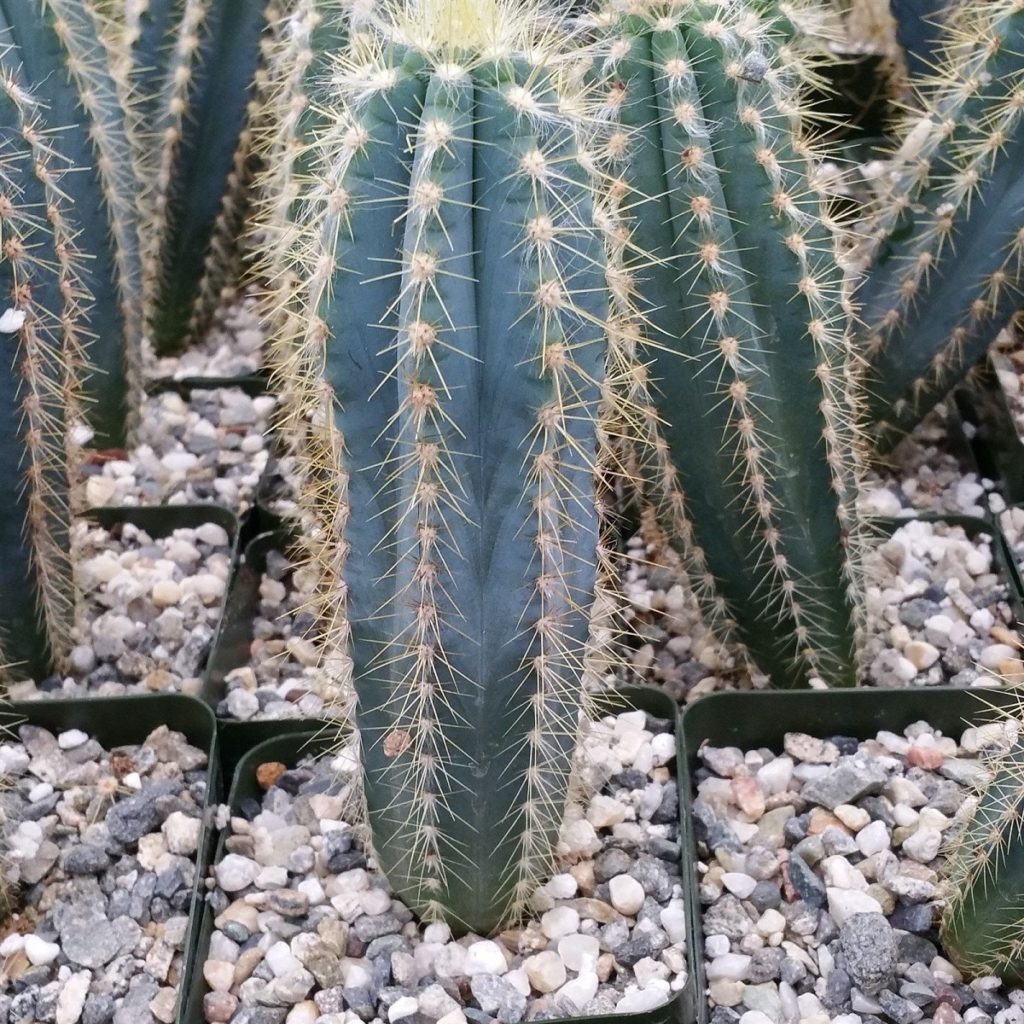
(150,610)
(233,347)
(869,951)
(210,447)
(306,924)
(282,678)
(98,931)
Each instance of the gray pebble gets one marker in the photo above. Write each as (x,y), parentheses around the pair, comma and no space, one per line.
(868,948)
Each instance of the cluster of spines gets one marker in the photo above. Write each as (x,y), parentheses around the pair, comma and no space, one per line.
(422,479)
(42,270)
(982,924)
(713,276)
(950,159)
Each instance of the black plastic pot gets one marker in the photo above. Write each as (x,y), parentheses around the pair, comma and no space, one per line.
(289,749)
(117,721)
(231,648)
(761,719)
(251,383)
(995,440)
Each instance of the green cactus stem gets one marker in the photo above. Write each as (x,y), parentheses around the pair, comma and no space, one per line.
(946,233)
(455,301)
(41,317)
(58,58)
(751,376)
(982,927)
(195,69)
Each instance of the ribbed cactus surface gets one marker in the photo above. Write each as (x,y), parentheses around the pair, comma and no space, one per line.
(982,929)
(194,68)
(70,97)
(41,332)
(455,294)
(751,373)
(946,232)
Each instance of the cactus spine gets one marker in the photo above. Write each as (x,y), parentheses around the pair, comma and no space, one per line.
(752,380)
(982,927)
(946,233)
(455,300)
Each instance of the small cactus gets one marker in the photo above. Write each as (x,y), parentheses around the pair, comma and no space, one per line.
(982,928)
(443,372)
(945,235)
(752,435)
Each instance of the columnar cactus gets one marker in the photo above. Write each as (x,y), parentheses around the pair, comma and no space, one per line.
(981,928)
(194,68)
(56,57)
(753,380)
(42,333)
(453,287)
(946,234)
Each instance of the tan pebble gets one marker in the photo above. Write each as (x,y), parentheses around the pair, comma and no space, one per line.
(821,819)
(247,962)
(1012,670)
(748,796)
(158,680)
(1002,635)
(583,872)
(921,654)
(165,593)
(605,966)
(852,817)
(726,992)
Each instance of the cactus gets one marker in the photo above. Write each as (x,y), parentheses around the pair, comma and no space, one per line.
(945,235)
(60,61)
(42,275)
(453,289)
(917,31)
(981,927)
(754,451)
(194,70)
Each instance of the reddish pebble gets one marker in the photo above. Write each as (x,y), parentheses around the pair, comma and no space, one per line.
(269,772)
(748,795)
(925,757)
(945,1014)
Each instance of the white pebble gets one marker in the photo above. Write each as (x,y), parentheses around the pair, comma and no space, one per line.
(406,1006)
(580,990)
(71,739)
(993,655)
(844,903)
(235,872)
(738,884)
(579,952)
(923,845)
(71,1000)
(873,838)
(181,833)
(627,894)
(730,967)
(39,951)
(562,887)
(545,970)
(559,922)
(485,957)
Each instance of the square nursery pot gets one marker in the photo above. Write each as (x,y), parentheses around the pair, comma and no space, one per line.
(289,748)
(231,650)
(120,721)
(749,720)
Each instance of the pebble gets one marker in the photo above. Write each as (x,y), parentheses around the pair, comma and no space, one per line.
(627,894)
